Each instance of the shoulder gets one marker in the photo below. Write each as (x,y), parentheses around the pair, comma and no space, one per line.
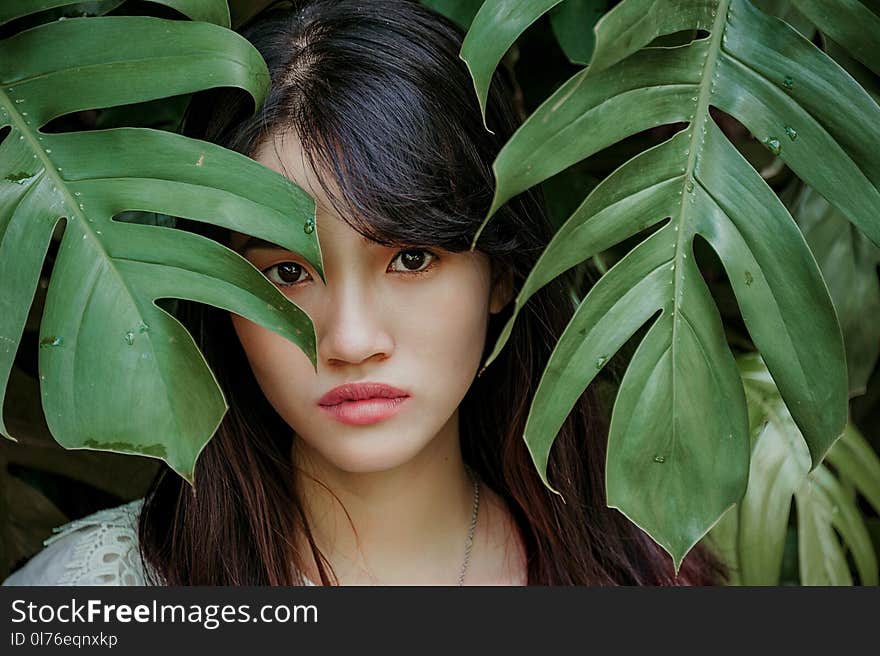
(100,549)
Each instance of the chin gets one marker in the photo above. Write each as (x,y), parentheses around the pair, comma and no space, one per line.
(361,459)
(367,454)
(361,452)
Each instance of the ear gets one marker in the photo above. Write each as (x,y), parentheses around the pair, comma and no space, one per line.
(502,288)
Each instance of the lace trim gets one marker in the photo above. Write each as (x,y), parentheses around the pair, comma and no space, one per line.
(107,554)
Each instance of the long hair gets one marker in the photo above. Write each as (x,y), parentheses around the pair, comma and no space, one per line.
(381,102)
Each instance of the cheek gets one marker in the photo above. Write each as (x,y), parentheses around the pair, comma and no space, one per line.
(274,361)
(448,328)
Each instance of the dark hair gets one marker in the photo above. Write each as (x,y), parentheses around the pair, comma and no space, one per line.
(380,100)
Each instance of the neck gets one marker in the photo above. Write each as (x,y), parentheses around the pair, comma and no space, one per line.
(405,525)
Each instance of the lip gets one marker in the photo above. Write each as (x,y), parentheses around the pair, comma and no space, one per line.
(363,403)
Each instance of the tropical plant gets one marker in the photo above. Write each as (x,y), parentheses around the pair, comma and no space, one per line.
(679,448)
(117,372)
(661,115)
(752,534)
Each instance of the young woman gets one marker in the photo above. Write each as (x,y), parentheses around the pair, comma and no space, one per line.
(394,463)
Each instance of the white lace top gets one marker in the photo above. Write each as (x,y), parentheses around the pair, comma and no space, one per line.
(100,549)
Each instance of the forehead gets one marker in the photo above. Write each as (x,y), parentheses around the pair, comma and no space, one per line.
(284,154)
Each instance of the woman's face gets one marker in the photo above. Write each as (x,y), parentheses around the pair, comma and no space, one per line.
(411,318)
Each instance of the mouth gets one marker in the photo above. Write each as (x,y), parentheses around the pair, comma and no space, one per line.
(363,403)
(365,411)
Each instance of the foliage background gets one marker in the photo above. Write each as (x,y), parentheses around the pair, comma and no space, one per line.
(44,485)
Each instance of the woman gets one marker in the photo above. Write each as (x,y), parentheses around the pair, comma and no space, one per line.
(307,480)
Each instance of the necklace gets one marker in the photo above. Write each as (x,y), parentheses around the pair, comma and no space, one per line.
(469,542)
(470,536)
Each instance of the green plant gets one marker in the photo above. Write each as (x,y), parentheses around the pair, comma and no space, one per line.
(686,434)
(679,441)
(117,372)
(752,534)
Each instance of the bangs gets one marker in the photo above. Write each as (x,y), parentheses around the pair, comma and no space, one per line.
(389,121)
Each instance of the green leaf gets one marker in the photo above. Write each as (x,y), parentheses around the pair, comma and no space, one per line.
(787,11)
(117,372)
(856,461)
(211,11)
(846,518)
(722,540)
(459,11)
(848,261)
(811,114)
(493,30)
(572,23)
(779,465)
(752,537)
(821,557)
(852,23)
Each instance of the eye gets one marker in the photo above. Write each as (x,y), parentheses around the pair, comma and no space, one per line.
(285,274)
(414,260)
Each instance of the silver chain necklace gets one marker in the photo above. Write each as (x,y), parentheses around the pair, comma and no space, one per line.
(470,536)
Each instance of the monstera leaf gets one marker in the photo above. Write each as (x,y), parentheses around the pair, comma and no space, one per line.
(849,262)
(210,11)
(460,11)
(117,372)
(752,534)
(572,22)
(678,453)
(854,24)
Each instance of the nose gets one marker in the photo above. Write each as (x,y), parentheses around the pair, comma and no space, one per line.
(353,328)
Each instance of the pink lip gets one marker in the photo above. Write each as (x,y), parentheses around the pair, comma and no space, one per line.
(363,403)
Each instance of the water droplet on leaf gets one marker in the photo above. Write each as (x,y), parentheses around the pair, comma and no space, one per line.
(791,132)
(690,186)
(600,361)
(129,338)
(749,278)
(660,459)
(788,82)
(309,227)
(773,145)
(51,341)
(144,327)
